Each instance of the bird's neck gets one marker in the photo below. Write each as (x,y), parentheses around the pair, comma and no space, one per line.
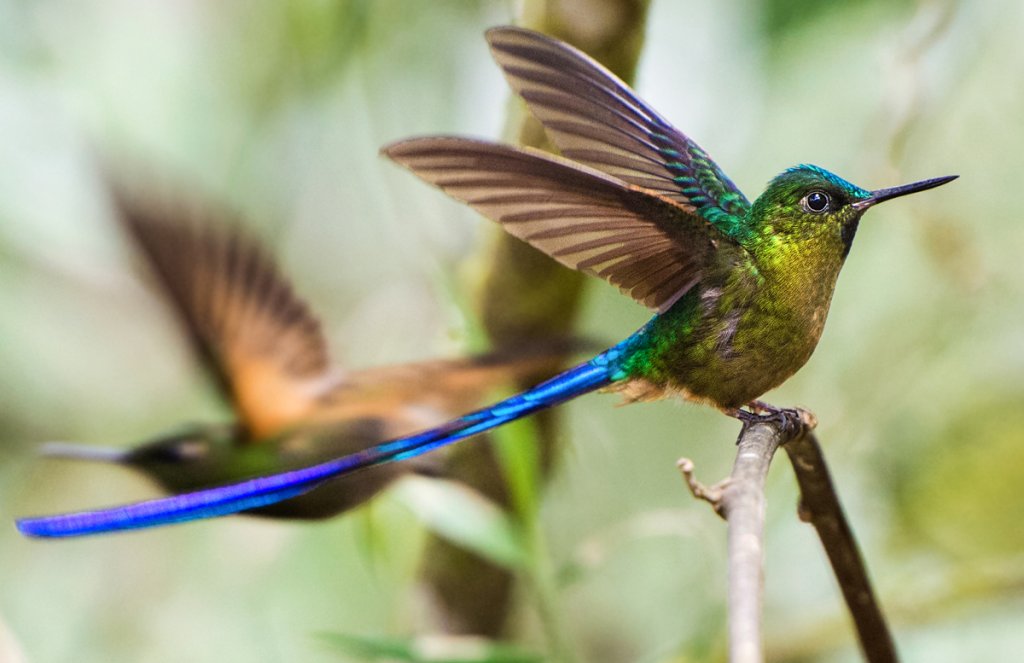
(798,275)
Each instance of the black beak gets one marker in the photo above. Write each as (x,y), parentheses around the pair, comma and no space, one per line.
(897,191)
(73,451)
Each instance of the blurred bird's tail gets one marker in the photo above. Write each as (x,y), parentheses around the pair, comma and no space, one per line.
(600,371)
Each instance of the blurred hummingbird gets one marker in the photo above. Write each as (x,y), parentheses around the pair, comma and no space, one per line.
(268,355)
(740,289)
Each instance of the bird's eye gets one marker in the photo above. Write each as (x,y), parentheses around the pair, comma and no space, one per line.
(190,450)
(182,451)
(816,201)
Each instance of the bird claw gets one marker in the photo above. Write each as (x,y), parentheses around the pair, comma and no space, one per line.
(790,420)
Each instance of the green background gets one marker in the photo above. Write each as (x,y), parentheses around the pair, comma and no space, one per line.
(280,108)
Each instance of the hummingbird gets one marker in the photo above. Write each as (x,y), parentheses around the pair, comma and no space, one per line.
(268,355)
(740,290)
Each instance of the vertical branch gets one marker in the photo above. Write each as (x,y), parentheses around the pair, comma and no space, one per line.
(740,500)
(524,295)
(743,506)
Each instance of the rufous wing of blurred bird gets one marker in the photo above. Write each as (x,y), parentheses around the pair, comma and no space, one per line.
(267,353)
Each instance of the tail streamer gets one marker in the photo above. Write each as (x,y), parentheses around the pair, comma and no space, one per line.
(254,493)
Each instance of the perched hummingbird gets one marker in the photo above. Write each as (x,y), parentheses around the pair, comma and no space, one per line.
(267,353)
(740,290)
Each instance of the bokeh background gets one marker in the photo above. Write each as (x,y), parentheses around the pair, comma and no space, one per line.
(280,108)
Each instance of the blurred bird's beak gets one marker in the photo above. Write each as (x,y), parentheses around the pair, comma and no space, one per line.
(897,191)
(72,451)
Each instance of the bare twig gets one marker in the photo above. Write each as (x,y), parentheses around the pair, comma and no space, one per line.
(819,505)
(742,504)
(740,500)
(710,494)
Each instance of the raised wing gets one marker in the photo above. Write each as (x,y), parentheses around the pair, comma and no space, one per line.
(594,118)
(649,246)
(260,340)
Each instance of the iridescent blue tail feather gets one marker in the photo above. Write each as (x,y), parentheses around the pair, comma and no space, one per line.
(224,500)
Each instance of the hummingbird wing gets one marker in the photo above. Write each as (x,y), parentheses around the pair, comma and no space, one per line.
(653,248)
(263,345)
(594,118)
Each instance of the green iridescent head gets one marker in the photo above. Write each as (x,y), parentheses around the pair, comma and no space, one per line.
(808,202)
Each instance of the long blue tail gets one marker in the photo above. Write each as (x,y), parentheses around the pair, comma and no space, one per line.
(223,500)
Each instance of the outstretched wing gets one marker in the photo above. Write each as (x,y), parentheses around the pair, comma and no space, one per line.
(262,343)
(651,247)
(594,118)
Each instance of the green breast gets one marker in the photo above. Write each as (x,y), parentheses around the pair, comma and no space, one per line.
(740,332)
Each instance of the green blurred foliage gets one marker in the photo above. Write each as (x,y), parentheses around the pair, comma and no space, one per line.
(280,108)
(779,19)
(465,517)
(962,498)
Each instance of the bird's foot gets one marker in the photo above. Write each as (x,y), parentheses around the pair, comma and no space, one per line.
(790,420)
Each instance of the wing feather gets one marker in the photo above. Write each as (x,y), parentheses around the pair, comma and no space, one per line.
(262,343)
(651,247)
(594,118)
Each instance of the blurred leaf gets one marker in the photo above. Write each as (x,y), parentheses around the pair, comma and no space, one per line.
(439,649)
(518,448)
(463,516)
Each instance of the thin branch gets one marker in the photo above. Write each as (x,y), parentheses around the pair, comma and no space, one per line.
(742,504)
(740,500)
(710,494)
(819,505)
